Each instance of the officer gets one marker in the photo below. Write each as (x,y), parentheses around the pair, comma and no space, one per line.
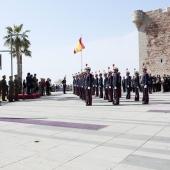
(145,99)
(136,85)
(110,81)
(64,85)
(16,87)
(106,86)
(128,85)
(11,89)
(88,87)
(3,85)
(124,84)
(120,85)
(97,85)
(100,85)
(116,86)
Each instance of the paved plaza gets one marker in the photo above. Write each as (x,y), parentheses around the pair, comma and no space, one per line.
(59,132)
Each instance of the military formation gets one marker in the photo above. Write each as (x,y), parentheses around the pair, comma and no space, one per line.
(109,85)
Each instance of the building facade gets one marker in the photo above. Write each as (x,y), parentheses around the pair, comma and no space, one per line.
(154,40)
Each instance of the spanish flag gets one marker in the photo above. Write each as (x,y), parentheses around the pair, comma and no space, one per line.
(79,46)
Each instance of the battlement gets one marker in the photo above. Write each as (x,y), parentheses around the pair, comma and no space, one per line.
(137,18)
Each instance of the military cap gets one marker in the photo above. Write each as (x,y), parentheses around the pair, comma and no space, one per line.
(136,72)
(115,68)
(110,71)
(127,72)
(100,74)
(4,76)
(144,68)
(88,68)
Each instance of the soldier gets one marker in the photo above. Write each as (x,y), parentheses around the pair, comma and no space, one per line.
(136,85)
(35,83)
(3,86)
(128,85)
(101,85)
(88,87)
(145,99)
(11,89)
(120,85)
(97,85)
(116,86)
(124,84)
(16,87)
(106,86)
(110,81)
(74,84)
(28,83)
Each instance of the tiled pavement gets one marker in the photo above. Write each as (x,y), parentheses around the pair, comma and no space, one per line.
(60,133)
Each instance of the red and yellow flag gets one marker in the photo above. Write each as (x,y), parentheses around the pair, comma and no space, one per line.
(79,46)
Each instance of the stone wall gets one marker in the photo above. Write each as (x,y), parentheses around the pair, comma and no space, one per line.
(154,42)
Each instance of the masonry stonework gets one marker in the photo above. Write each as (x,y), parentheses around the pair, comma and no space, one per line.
(154,40)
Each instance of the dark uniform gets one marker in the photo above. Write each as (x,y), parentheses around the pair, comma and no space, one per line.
(110,81)
(124,84)
(101,86)
(136,86)
(145,99)
(128,85)
(93,85)
(11,89)
(106,86)
(3,85)
(35,83)
(64,85)
(88,88)
(16,88)
(97,86)
(120,85)
(116,86)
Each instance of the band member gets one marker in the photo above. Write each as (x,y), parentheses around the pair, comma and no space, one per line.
(106,86)
(101,86)
(97,85)
(145,99)
(136,85)
(128,84)
(116,86)
(88,87)
(124,84)
(110,81)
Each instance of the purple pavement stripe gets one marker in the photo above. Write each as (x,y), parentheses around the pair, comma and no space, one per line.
(161,111)
(54,123)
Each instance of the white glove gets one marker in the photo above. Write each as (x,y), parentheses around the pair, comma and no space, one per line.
(137,87)
(127,86)
(106,87)
(93,85)
(88,87)
(145,86)
(109,87)
(82,86)
(115,87)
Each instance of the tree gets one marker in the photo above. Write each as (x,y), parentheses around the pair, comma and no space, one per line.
(20,45)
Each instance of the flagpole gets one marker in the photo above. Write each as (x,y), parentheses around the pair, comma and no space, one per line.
(81,58)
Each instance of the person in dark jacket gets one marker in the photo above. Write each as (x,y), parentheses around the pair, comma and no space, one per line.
(106,86)
(128,85)
(28,83)
(124,84)
(88,86)
(100,85)
(136,85)
(145,99)
(64,85)
(97,85)
(110,81)
(116,86)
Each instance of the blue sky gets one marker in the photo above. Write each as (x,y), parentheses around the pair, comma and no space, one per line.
(106,25)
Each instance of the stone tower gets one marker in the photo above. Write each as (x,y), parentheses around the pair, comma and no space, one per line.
(154,40)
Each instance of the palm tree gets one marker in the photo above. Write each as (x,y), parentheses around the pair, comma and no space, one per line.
(20,45)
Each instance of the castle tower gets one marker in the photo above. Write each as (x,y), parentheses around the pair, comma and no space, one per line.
(154,40)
